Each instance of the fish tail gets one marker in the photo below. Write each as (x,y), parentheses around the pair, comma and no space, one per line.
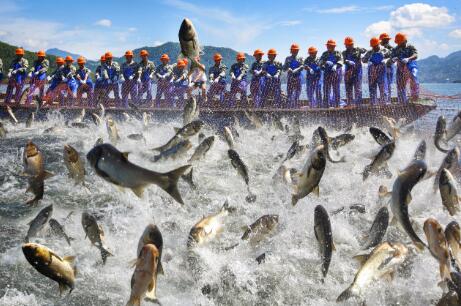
(104,254)
(171,186)
(189,178)
(155,301)
(347,294)
(134,301)
(160,268)
(294,199)
(366,172)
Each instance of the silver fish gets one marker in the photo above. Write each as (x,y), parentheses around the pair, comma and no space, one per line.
(378,229)
(380,161)
(95,233)
(183,133)
(112,130)
(74,164)
(202,149)
(228,137)
(379,136)
(325,142)
(455,127)
(153,236)
(58,229)
(324,236)
(96,119)
(30,120)
(450,162)
(440,133)
(174,152)
(448,192)
(113,166)
(188,40)
(190,109)
(37,224)
(11,114)
(260,229)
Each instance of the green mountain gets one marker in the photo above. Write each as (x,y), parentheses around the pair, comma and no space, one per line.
(440,70)
(61,53)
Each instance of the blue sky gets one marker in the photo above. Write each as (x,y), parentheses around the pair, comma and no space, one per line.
(93,27)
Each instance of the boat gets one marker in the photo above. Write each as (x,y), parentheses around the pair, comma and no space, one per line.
(217,114)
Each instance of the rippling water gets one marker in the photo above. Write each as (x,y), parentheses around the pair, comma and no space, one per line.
(291,274)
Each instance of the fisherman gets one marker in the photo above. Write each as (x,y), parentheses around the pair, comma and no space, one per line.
(313,78)
(37,76)
(16,76)
(257,81)
(129,78)
(57,86)
(238,74)
(147,69)
(331,64)
(353,72)
(217,76)
(293,66)
(111,76)
(385,39)
(197,79)
(163,74)
(377,59)
(405,55)
(99,91)
(180,82)
(272,86)
(68,77)
(85,84)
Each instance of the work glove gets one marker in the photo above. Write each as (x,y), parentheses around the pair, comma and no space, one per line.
(122,79)
(138,80)
(30,74)
(13,72)
(290,70)
(131,77)
(329,63)
(333,68)
(349,62)
(36,73)
(64,80)
(48,78)
(268,76)
(394,59)
(9,74)
(82,82)
(405,60)
(311,71)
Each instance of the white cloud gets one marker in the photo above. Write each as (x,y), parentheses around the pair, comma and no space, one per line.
(339,10)
(378,28)
(104,23)
(289,23)
(455,33)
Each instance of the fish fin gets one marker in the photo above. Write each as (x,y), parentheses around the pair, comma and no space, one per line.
(125,155)
(138,191)
(56,255)
(316,190)
(171,187)
(394,221)
(361,258)
(294,199)
(333,246)
(445,270)
(160,268)
(176,129)
(132,263)
(135,301)
(189,178)
(150,293)
(347,294)
(408,199)
(62,288)
(29,189)
(47,174)
(389,276)
(383,191)
(419,245)
(69,259)
(104,254)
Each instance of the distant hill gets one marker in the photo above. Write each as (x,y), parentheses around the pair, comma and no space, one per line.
(440,70)
(61,53)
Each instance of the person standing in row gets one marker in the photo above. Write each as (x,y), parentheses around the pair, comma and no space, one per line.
(313,78)
(57,86)
(17,74)
(180,83)
(85,84)
(37,76)
(293,66)
(147,71)
(385,38)
(238,73)
(197,79)
(68,77)
(352,58)
(217,77)
(331,64)
(405,55)
(272,85)
(99,88)
(163,73)
(377,59)
(257,80)
(129,77)
(111,76)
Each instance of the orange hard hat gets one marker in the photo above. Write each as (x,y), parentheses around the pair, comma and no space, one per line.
(19,51)
(258,52)
(217,57)
(294,47)
(103,58)
(348,41)
(185,61)
(164,57)
(108,55)
(384,36)
(331,42)
(41,53)
(144,53)
(69,58)
(400,38)
(240,56)
(374,42)
(181,63)
(59,60)
(272,52)
(312,50)
(128,53)
(81,60)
